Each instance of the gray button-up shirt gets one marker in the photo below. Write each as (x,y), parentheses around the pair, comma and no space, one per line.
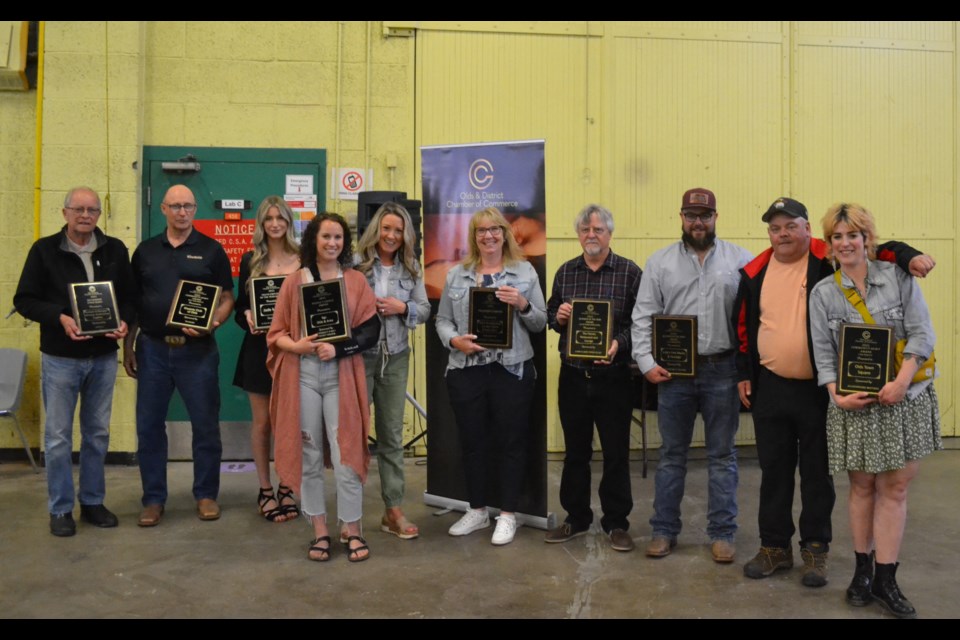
(675,283)
(893,298)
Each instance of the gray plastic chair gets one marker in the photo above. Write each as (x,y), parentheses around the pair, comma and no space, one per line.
(13,370)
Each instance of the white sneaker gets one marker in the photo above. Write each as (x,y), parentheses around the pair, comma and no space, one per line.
(506,528)
(472,520)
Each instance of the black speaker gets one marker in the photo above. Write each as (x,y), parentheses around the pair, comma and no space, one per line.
(369,201)
(413,207)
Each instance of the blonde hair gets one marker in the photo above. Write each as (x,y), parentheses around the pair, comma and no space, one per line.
(512,253)
(857,218)
(260,239)
(367,245)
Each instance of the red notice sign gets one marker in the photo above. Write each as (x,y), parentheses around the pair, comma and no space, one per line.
(236,237)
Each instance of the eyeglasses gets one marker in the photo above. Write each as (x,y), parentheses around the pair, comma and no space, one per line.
(94,211)
(702,217)
(597,231)
(189,207)
(496,232)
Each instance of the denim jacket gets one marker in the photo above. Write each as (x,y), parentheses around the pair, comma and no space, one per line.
(892,297)
(453,320)
(405,288)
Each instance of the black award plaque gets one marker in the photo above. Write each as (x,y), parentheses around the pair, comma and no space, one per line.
(263,298)
(675,344)
(94,308)
(193,305)
(491,319)
(588,331)
(323,310)
(866,358)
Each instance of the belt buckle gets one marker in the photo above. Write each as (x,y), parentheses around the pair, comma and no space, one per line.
(175,341)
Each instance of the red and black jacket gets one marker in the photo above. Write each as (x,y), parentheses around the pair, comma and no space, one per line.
(747,307)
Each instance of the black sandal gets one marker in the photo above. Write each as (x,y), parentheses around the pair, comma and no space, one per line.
(353,553)
(323,551)
(291,511)
(263,498)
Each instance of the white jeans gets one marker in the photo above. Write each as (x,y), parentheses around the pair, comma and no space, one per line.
(319,410)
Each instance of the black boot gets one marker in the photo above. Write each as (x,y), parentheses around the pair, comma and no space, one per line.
(858,593)
(887,593)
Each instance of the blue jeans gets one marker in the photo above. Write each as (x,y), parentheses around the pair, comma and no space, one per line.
(192,370)
(64,380)
(713,392)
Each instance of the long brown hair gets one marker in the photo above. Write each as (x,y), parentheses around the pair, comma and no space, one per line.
(260,239)
(308,242)
(367,245)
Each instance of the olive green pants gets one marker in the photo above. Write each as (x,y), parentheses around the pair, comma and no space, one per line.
(386,389)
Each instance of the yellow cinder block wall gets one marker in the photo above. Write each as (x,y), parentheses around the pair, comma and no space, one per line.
(113,87)
(633,113)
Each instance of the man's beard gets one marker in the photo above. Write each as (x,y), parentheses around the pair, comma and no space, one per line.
(699,245)
(593,250)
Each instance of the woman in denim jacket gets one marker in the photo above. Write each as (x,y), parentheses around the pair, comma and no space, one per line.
(491,389)
(878,440)
(387,258)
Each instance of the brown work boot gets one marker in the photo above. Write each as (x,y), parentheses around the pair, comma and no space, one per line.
(723,551)
(768,560)
(208,509)
(150,516)
(660,546)
(814,556)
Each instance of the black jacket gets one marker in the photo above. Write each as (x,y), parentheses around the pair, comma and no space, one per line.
(746,310)
(42,294)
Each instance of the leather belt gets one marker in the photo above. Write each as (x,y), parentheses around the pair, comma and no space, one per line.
(599,371)
(175,341)
(715,357)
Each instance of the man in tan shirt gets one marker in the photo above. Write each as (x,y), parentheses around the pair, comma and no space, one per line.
(777,380)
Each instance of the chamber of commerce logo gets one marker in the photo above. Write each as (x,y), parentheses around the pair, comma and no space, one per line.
(481,173)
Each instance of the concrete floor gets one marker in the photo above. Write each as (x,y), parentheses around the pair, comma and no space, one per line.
(242,566)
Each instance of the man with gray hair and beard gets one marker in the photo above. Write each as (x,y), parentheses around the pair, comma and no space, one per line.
(595,391)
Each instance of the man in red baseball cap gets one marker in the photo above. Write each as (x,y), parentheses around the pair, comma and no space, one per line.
(697,276)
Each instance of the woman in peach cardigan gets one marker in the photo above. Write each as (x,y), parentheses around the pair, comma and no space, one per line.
(319,401)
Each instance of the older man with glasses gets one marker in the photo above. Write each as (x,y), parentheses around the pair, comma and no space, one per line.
(76,365)
(598,389)
(167,358)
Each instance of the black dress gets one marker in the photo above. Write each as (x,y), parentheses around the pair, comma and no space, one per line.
(251,375)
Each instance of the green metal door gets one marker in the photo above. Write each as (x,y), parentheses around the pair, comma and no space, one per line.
(221,178)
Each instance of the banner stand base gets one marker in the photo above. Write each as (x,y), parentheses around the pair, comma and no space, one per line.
(537,522)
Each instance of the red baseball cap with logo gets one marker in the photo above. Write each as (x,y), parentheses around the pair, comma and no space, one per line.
(699,199)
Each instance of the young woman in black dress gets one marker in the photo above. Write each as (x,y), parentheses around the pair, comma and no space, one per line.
(275,253)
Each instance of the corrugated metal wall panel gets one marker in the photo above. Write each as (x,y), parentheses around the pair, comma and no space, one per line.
(877,126)
(695,113)
(753,110)
(895,30)
(482,87)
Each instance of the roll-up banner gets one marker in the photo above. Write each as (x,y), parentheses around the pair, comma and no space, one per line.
(458,181)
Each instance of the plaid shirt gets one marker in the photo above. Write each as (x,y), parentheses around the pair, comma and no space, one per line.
(617,279)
